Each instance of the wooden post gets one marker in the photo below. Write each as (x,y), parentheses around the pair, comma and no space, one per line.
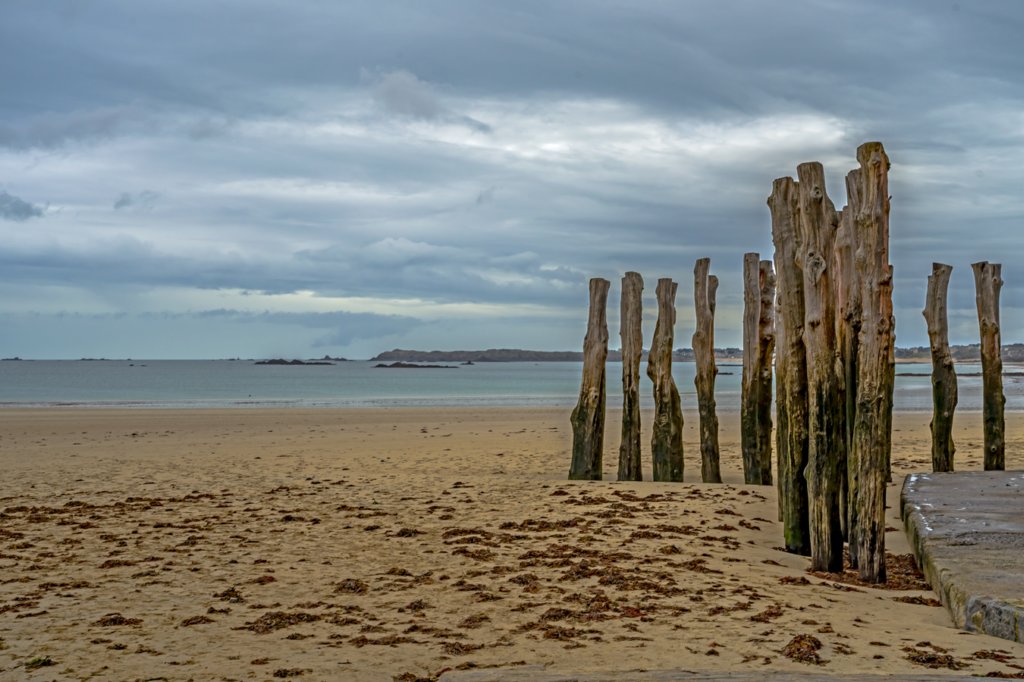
(848,323)
(847,328)
(790,368)
(826,444)
(872,427)
(667,439)
(588,416)
(756,385)
(749,381)
(630,321)
(765,353)
(705,288)
(988,283)
(944,388)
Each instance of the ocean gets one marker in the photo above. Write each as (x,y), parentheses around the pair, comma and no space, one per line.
(241,383)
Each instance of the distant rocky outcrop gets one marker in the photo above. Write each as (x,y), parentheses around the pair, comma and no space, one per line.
(282,361)
(410,365)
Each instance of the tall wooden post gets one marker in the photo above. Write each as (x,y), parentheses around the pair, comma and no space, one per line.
(667,439)
(790,368)
(847,328)
(872,428)
(749,380)
(944,388)
(630,321)
(756,384)
(588,416)
(705,288)
(988,282)
(765,353)
(818,222)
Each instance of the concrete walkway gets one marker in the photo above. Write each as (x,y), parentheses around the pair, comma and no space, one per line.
(967,533)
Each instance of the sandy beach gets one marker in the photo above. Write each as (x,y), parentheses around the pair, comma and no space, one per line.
(395,544)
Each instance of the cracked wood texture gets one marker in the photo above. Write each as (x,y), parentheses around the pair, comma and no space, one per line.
(667,437)
(705,289)
(756,384)
(847,328)
(765,353)
(872,429)
(826,441)
(790,368)
(944,386)
(988,282)
(631,333)
(588,416)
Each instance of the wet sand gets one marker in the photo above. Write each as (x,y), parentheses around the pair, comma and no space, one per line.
(381,544)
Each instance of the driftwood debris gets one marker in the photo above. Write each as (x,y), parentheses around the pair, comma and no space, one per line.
(756,384)
(705,288)
(667,438)
(988,282)
(790,369)
(872,426)
(588,416)
(944,385)
(631,319)
(826,443)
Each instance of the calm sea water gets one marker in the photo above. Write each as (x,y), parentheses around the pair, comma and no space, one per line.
(223,383)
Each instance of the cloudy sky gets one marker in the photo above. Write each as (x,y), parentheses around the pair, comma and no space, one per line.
(283,178)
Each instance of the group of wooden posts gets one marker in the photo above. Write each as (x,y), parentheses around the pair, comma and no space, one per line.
(826,317)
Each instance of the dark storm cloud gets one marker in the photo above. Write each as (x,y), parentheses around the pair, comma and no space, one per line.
(14,208)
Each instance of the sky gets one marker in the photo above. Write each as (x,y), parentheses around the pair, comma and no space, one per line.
(299,178)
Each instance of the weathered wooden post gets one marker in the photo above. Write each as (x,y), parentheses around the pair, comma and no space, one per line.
(765,353)
(847,328)
(705,288)
(790,368)
(630,321)
(988,282)
(944,388)
(872,428)
(749,379)
(588,416)
(826,443)
(756,384)
(667,439)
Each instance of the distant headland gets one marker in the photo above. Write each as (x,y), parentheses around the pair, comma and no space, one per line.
(1013,352)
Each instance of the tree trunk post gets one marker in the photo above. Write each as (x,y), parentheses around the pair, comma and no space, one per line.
(705,288)
(667,438)
(749,385)
(944,388)
(872,427)
(588,416)
(765,352)
(847,327)
(818,223)
(988,282)
(630,320)
(790,368)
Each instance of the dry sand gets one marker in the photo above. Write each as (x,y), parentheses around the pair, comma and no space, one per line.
(372,544)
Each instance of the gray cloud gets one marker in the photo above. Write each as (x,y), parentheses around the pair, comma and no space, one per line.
(143,200)
(489,154)
(401,92)
(14,208)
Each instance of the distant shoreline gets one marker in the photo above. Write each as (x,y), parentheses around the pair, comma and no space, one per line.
(1011,354)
